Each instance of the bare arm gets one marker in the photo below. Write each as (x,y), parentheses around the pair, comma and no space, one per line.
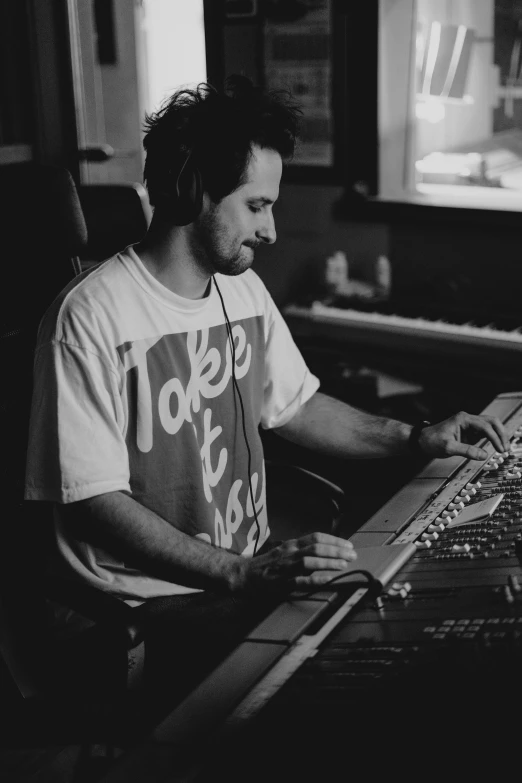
(133,533)
(332,427)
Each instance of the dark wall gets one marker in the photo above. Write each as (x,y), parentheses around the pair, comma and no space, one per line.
(458,271)
(307,234)
(472,267)
(16,104)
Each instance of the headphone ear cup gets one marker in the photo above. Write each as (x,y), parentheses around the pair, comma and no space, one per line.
(189,195)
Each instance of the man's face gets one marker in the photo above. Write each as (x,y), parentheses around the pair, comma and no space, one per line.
(226,234)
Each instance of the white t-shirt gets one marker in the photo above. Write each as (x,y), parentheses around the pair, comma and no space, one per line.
(134,392)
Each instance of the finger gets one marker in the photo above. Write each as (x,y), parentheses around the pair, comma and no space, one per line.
(328,550)
(309,564)
(323,538)
(463,450)
(290,558)
(481,424)
(497,435)
(501,431)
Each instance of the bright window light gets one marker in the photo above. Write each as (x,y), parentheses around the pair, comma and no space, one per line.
(175,47)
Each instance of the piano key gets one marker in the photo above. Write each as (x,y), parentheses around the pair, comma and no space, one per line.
(488,336)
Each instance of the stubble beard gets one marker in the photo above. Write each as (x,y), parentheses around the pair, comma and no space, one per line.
(233,265)
(214,250)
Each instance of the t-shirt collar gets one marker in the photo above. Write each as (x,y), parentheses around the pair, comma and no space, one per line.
(157,290)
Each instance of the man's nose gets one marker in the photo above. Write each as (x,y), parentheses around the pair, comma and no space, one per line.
(267,232)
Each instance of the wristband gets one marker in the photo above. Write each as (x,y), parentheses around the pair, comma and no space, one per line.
(413,438)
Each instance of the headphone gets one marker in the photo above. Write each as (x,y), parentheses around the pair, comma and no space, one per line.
(185,200)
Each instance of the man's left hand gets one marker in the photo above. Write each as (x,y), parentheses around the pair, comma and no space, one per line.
(450,437)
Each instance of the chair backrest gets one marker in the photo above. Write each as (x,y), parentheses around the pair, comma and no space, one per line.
(117,215)
(300,501)
(43,224)
(43,231)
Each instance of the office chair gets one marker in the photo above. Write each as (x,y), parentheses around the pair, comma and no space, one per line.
(43,232)
(300,501)
(52,686)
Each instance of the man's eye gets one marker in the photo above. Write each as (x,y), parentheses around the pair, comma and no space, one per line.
(254,209)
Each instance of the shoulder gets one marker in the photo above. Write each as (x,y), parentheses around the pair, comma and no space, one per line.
(87,301)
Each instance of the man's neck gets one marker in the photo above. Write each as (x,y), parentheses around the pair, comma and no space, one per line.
(166,254)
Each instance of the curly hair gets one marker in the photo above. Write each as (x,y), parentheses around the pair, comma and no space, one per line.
(217,129)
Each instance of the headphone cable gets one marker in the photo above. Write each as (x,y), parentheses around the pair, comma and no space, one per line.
(236,387)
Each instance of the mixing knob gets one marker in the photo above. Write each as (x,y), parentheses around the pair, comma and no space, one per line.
(430,536)
(399,590)
(460,548)
(450,514)
(459,506)
(508,595)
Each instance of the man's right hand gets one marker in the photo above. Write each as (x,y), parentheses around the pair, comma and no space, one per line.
(310,561)
(120,525)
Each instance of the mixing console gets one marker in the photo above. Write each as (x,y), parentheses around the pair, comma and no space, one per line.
(424,664)
(438,653)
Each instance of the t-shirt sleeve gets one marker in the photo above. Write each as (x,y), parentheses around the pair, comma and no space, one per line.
(76,445)
(288,381)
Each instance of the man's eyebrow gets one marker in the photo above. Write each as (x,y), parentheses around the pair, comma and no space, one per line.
(261,199)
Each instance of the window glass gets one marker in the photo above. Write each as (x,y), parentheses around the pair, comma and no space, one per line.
(450,102)
(174,47)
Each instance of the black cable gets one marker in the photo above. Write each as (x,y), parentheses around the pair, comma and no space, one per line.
(371,580)
(236,387)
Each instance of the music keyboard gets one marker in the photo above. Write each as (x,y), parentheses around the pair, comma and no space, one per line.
(381,328)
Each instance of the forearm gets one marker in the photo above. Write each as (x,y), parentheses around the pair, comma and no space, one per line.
(332,427)
(133,533)
(142,539)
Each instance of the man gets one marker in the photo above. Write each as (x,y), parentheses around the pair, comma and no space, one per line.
(153,372)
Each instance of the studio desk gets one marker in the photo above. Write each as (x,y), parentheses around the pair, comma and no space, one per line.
(426,659)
